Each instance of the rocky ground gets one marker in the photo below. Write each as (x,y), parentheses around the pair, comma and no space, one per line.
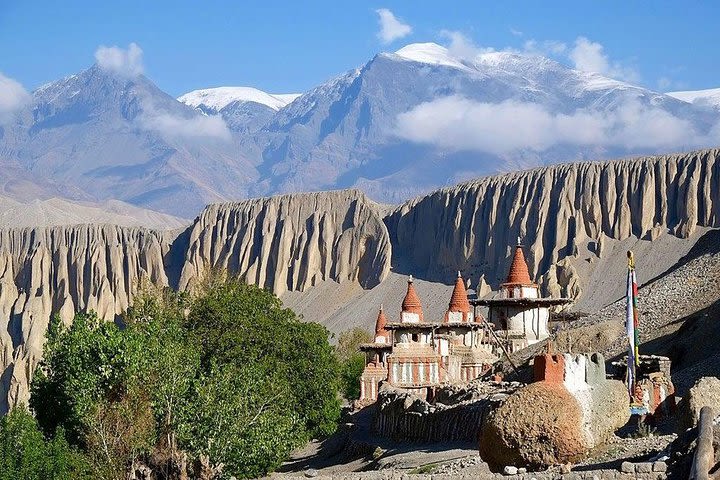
(355,453)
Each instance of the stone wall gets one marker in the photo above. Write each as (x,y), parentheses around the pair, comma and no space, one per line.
(402,416)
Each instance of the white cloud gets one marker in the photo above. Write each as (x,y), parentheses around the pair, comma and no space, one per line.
(516,32)
(127,62)
(585,55)
(195,126)
(590,56)
(198,127)
(463,47)
(391,28)
(12,97)
(458,123)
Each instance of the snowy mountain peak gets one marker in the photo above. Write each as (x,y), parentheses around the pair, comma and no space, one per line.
(430,53)
(709,97)
(215,99)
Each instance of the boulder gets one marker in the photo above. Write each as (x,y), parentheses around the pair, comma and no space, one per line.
(551,422)
(609,410)
(705,392)
(538,425)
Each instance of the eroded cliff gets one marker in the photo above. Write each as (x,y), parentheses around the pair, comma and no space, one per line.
(282,243)
(330,254)
(556,212)
(292,242)
(60,270)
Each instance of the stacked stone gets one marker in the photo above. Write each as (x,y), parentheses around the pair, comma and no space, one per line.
(400,415)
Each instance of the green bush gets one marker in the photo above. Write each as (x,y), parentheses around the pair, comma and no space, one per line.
(239,324)
(352,369)
(26,454)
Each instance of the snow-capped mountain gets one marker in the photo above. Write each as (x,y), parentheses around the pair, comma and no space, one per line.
(709,97)
(347,132)
(245,109)
(215,99)
(399,125)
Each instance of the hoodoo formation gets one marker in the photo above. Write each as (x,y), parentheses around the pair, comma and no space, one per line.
(570,218)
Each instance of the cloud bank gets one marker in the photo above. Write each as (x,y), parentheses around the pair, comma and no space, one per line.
(126,62)
(176,126)
(391,28)
(199,127)
(589,56)
(458,123)
(12,97)
(584,54)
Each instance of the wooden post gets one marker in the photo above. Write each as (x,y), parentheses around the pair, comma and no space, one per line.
(704,458)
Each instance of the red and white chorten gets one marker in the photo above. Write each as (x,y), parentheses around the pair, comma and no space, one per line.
(459,309)
(518,313)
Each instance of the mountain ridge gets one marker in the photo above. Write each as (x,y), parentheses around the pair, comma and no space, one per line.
(367,128)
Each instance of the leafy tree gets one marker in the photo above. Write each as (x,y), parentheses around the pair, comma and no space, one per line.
(119,432)
(352,361)
(171,362)
(228,375)
(349,343)
(351,370)
(243,421)
(26,454)
(82,364)
(237,323)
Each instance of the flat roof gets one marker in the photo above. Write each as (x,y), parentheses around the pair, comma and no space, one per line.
(419,325)
(547,302)
(431,325)
(374,346)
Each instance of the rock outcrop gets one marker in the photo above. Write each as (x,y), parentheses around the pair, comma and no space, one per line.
(292,242)
(537,426)
(556,212)
(705,392)
(569,411)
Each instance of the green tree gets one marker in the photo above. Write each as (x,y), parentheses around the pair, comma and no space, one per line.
(171,361)
(237,323)
(229,374)
(349,342)
(83,364)
(242,420)
(26,454)
(351,370)
(352,361)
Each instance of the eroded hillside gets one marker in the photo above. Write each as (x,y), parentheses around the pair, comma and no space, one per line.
(334,256)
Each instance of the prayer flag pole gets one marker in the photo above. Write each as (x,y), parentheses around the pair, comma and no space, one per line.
(631,325)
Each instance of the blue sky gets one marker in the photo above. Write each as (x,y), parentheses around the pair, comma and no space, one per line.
(293,46)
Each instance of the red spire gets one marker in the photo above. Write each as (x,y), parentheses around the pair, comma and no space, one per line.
(380,323)
(411,302)
(519,274)
(459,300)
